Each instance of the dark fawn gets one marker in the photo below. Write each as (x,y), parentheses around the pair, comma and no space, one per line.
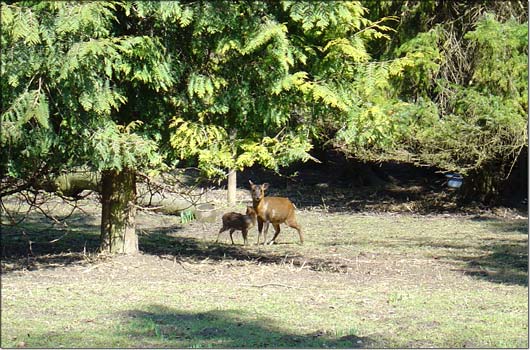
(274,210)
(235,221)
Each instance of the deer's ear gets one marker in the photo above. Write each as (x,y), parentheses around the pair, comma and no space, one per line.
(265,186)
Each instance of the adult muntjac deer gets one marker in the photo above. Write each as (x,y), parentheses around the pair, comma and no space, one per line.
(274,210)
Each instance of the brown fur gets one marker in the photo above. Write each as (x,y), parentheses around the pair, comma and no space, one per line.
(274,210)
(235,221)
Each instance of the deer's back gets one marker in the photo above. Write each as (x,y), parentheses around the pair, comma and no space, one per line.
(275,209)
(236,220)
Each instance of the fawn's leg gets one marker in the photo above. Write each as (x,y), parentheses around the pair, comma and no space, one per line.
(221,230)
(245,233)
(231,232)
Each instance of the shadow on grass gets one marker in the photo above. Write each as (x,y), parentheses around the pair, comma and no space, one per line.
(37,243)
(162,326)
(515,226)
(196,250)
(504,263)
(504,260)
(501,261)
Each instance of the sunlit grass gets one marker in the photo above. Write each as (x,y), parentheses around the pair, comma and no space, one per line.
(359,281)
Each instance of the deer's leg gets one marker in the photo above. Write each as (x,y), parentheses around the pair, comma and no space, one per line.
(265,229)
(220,231)
(260,228)
(276,233)
(292,223)
(245,233)
(231,232)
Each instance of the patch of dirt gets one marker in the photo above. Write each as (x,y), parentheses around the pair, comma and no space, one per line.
(174,254)
(169,245)
(247,269)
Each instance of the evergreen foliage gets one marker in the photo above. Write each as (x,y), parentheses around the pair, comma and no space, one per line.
(459,98)
(143,84)
(68,77)
(260,75)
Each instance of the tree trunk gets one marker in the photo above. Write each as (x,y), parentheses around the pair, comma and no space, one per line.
(232,187)
(118,224)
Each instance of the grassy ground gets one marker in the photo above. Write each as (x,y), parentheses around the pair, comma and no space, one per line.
(359,281)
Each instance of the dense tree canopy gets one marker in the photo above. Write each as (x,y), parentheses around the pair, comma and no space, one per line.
(466,91)
(122,87)
(237,82)
(128,86)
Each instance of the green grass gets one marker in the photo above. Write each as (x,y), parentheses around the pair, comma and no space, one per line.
(359,281)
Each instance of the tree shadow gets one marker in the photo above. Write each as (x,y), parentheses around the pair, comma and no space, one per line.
(503,260)
(345,186)
(38,243)
(505,263)
(518,226)
(499,260)
(159,325)
(196,250)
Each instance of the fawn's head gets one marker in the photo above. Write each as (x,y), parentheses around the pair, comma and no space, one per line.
(257,191)
(250,211)
(252,214)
